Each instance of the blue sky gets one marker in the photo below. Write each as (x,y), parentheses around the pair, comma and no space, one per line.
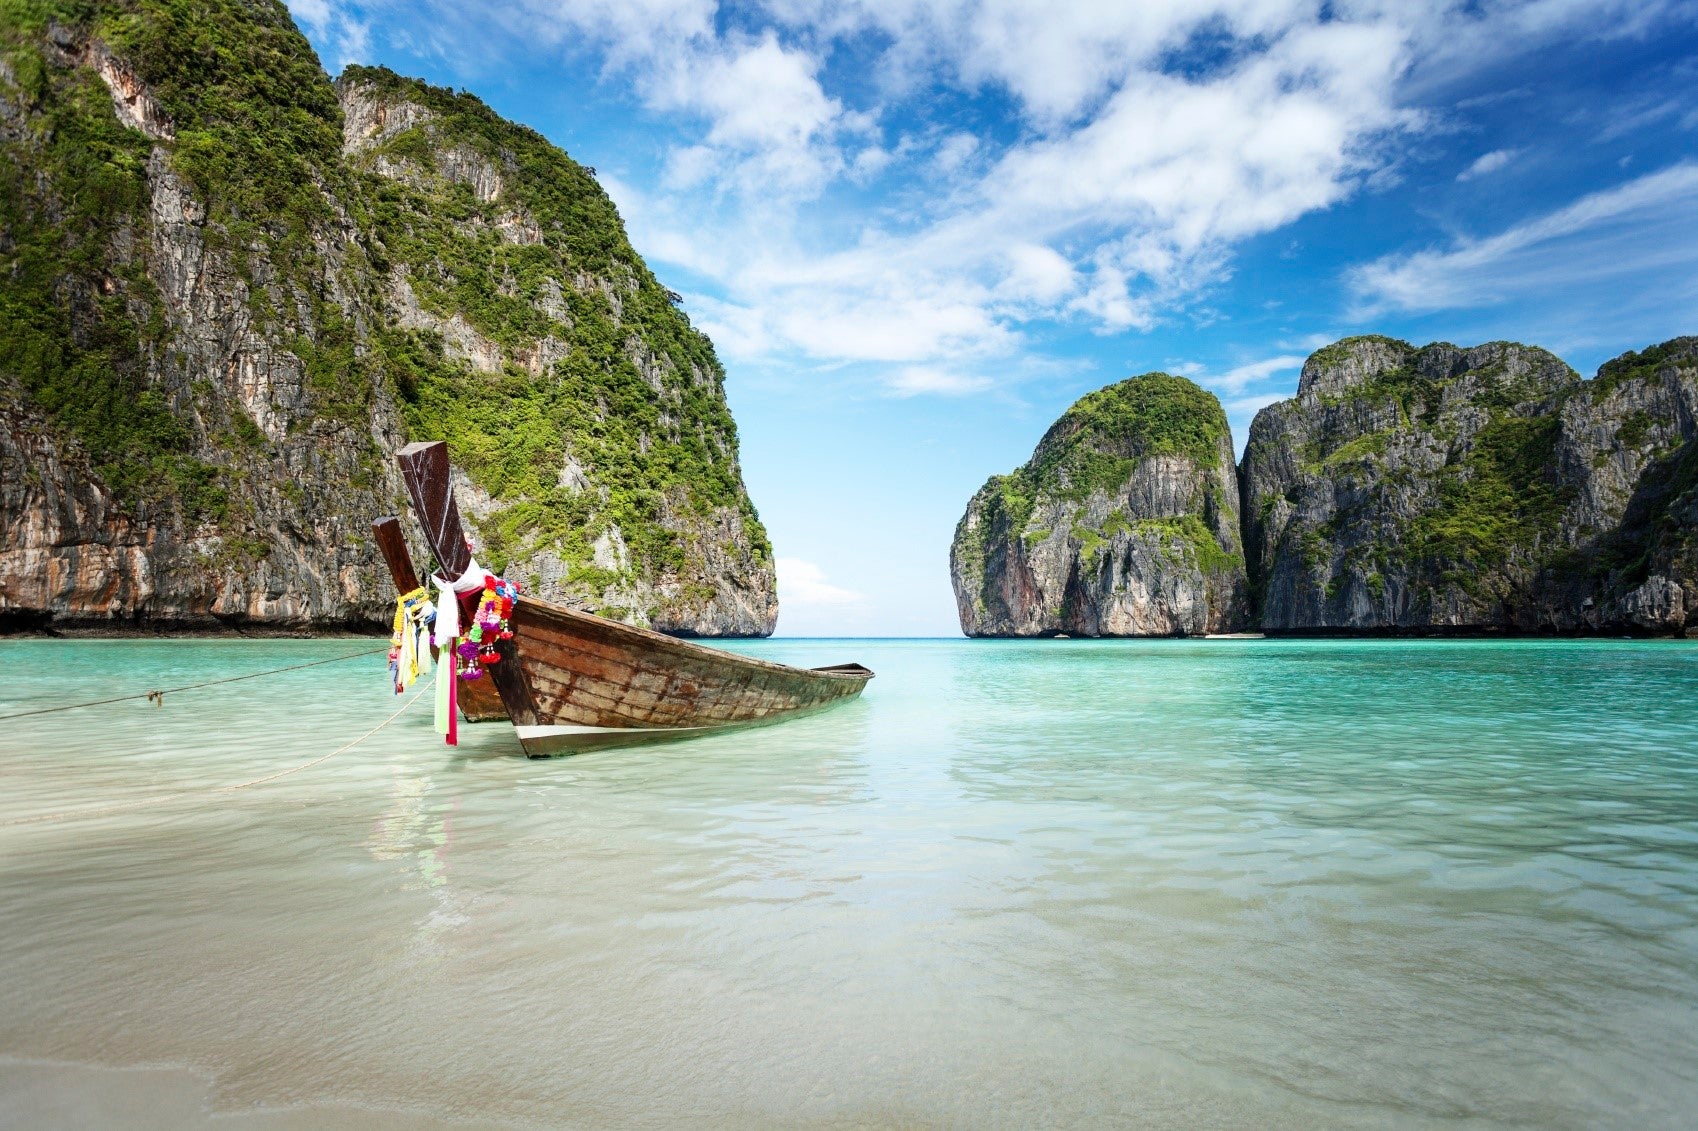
(918,229)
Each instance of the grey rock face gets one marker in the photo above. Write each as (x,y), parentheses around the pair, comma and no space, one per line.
(1121,524)
(241,339)
(1448,489)
(291,547)
(721,580)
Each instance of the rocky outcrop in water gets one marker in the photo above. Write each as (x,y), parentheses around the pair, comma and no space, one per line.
(1403,490)
(229,290)
(1123,523)
(1481,489)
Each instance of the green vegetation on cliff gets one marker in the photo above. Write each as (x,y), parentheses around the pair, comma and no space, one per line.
(1119,570)
(256,133)
(1196,545)
(258,128)
(1634,366)
(1495,497)
(1497,500)
(1472,487)
(258,139)
(67,191)
(1419,382)
(1104,435)
(1154,414)
(457,275)
(648,442)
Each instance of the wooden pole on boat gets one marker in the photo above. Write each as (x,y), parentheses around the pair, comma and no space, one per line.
(430,482)
(429,478)
(393,543)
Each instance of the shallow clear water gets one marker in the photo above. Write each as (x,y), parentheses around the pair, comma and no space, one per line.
(1230,883)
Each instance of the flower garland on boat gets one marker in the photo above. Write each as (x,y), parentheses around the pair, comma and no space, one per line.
(470,650)
(491,624)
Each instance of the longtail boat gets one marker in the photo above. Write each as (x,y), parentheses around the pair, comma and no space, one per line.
(572,681)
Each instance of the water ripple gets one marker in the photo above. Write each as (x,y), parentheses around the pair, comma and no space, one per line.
(1233,883)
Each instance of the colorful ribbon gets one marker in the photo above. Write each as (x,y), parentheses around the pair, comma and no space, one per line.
(409,647)
(447,645)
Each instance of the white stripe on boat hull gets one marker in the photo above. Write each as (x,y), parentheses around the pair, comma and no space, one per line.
(565,739)
(572,738)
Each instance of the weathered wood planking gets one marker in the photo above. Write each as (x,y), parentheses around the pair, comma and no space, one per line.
(590,671)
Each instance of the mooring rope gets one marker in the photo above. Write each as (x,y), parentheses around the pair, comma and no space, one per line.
(158,697)
(72,814)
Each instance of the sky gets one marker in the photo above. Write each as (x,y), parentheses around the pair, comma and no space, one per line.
(917,230)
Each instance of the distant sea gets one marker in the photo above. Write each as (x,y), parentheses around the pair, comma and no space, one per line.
(1225,883)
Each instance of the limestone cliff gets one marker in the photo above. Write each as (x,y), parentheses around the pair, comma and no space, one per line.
(1123,523)
(1476,489)
(229,290)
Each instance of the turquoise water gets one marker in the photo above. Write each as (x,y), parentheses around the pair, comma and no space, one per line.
(1225,883)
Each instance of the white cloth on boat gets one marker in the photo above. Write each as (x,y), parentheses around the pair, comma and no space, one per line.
(448,606)
(447,635)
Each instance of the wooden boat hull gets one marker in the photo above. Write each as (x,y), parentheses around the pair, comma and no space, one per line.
(570,680)
(554,741)
(595,683)
(480,702)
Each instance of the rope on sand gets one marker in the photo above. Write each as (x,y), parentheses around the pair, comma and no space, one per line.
(148,802)
(157,698)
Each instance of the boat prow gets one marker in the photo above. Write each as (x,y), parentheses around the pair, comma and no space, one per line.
(574,681)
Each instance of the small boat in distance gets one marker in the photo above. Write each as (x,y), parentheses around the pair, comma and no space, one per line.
(573,681)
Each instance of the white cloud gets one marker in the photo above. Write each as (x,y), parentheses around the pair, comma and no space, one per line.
(1309,342)
(765,122)
(954,152)
(1114,221)
(1172,170)
(315,13)
(691,165)
(869,163)
(1624,120)
(1057,60)
(1036,274)
(738,332)
(1452,38)
(876,317)
(1137,146)
(918,379)
(629,32)
(1488,163)
(802,583)
(1242,377)
(1250,406)
(1642,229)
(756,96)
(769,122)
